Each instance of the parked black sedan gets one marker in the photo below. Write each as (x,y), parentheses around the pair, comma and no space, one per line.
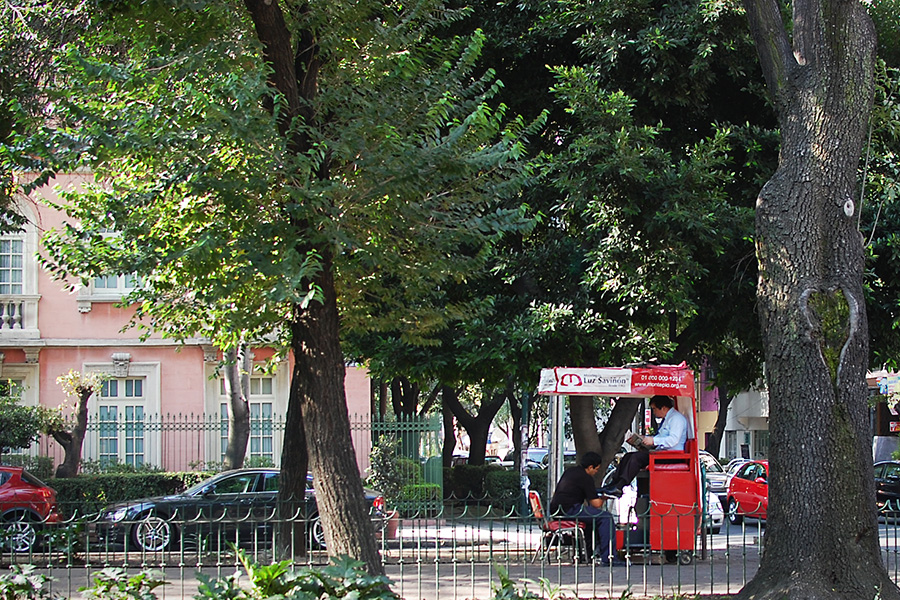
(238,507)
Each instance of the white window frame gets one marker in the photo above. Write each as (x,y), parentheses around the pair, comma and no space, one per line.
(29,375)
(124,284)
(149,372)
(125,425)
(11,269)
(20,309)
(93,292)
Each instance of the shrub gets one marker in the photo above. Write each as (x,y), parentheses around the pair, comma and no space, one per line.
(488,484)
(502,488)
(39,466)
(96,467)
(114,583)
(88,494)
(23,581)
(409,471)
(389,473)
(419,499)
(343,578)
(420,492)
(465,482)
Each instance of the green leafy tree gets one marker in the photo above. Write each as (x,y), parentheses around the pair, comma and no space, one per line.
(819,63)
(642,242)
(258,182)
(21,424)
(31,35)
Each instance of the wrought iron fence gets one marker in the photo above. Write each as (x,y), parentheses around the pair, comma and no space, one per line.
(453,553)
(447,547)
(186,442)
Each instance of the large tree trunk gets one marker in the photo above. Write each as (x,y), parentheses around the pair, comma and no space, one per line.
(477,425)
(292,519)
(404,397)
(516,408)
(821,536)
(318,386)
(449,444)
(319,377)
(237,388)
(584,427)
(613,435)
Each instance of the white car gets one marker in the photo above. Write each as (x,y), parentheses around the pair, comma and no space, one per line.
(716,478)
(715,515)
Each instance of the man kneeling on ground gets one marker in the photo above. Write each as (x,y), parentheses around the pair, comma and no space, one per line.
(576,497)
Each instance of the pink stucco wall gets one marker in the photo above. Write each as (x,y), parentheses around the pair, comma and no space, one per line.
(179,375)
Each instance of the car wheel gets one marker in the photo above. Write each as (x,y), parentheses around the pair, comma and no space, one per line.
(19,534)
(733,517)
(152,533)
(316,533)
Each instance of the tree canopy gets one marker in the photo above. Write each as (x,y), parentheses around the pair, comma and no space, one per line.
(251,186)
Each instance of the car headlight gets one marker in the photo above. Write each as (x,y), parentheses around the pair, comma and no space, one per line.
(117,515)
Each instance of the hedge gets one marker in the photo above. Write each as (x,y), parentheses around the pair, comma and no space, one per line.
(88,494)
(489,484)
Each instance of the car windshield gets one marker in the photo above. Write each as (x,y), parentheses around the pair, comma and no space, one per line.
(711,464)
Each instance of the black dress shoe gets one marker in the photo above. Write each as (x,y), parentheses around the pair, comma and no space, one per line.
(609,490)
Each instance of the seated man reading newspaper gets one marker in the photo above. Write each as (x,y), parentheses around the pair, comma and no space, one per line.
(672,435)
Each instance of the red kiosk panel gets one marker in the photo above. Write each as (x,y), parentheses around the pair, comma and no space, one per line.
(675,504)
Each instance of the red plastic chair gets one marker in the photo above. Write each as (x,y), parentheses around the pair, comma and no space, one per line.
(555,532)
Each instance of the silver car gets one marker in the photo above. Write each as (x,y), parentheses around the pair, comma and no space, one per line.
(716,477)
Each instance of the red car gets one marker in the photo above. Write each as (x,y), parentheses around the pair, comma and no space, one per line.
(748,491)
(26,505)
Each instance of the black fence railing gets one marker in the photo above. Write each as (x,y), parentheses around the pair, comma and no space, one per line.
(453,551)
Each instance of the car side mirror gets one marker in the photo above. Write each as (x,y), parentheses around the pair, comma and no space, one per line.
(761,480)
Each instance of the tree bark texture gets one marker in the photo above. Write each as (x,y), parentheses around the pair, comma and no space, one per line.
(821,535)
(613,435)
(404,397)
(319,377)
(477,425)
(318,397)
(449,443)
(72,441)
(237,387)
(292,521)
(584,428)
(714,443)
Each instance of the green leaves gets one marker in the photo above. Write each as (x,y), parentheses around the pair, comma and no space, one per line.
(198,194)
(21,424)
(342,578)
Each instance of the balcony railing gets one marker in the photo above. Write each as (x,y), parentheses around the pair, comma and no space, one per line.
(19,316)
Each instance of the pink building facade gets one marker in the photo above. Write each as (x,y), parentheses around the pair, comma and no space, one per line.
(163,402)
